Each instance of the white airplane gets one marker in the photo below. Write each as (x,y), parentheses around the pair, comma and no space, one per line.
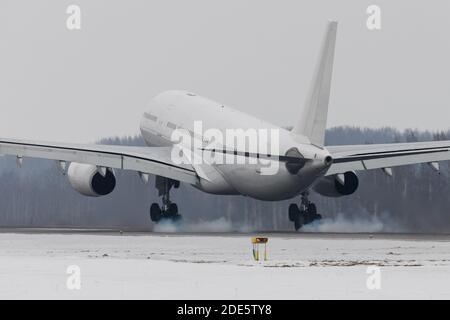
(304,163)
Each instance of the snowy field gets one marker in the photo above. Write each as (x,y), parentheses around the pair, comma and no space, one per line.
(220,266)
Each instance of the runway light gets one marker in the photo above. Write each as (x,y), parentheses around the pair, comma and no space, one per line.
(256,242)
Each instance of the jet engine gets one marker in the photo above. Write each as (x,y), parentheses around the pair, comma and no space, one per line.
(337,185)
(89,180)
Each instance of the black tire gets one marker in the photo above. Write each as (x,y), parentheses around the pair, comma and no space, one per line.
(293,211)
(312,209)
(299,221)
(173,210)
(308,218)
(155,212)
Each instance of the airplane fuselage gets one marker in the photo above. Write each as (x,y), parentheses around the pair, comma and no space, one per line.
(175,110)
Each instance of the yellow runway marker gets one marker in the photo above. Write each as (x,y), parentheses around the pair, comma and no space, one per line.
(256,241)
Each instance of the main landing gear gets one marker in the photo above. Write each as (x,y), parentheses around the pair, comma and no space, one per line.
(307,212)
(168,210)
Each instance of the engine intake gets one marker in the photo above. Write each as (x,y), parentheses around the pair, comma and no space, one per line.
(87,180)
(332,186)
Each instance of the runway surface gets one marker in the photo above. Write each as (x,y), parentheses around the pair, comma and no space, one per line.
(44,263)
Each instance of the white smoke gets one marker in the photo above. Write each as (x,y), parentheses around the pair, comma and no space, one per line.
(345,224)
(365,223)
(219,225)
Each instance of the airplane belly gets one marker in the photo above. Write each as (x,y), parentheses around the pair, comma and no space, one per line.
(248,181)
(212,181)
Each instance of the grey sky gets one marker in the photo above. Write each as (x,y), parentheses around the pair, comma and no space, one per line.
(256,56)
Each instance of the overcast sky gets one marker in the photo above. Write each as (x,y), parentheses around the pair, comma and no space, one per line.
(256,56)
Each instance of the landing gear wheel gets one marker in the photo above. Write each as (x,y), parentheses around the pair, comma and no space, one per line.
(299,221)
(172,212)
(312,208)
(294,211)
(168,210)
(304,213)
(173,209)
(155,212)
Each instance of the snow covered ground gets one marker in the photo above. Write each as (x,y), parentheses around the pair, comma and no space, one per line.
(220,266)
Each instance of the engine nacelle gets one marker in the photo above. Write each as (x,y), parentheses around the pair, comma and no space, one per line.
(87,180)
(332,186)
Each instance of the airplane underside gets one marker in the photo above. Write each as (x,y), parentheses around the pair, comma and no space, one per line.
(300,215)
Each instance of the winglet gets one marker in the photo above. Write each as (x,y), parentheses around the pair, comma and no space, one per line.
(313,118)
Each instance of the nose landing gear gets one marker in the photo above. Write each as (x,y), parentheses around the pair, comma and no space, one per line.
(168,209)
(306,213)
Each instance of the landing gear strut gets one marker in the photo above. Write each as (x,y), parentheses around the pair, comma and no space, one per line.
(168,209)
(307,212)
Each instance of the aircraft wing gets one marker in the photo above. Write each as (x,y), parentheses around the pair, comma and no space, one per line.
(152,160)
(373,156)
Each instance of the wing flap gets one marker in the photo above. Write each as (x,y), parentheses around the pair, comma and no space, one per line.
(67,154)
(368,157)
